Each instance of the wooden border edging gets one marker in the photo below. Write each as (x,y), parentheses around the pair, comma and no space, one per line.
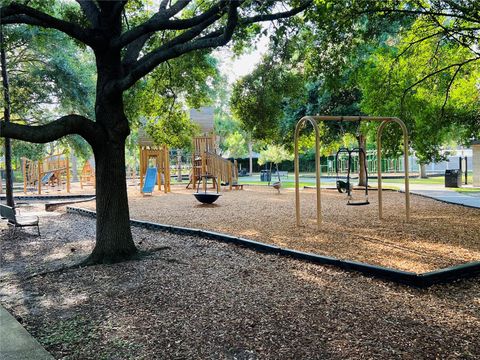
(53,205)
(398,276)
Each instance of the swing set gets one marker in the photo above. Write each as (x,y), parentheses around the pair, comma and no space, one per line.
(345,186)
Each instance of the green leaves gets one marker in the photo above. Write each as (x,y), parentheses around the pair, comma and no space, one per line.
(258,99)
(274,154)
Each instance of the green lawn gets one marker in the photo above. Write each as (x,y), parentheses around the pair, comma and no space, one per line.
(467,190)
(437,180)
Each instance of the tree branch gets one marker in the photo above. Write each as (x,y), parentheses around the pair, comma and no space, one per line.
(420,12)
(178,46)
(277,16)
(133,50)
(447,92)
(459,65)
(185,42)
(90,10)
(160,21)
(66,125)
(21,14)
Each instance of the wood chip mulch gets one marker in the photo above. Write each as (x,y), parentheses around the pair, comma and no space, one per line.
(201,299)
(439,235)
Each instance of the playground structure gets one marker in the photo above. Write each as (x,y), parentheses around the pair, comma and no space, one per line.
(87,177)
(154,168)
(207,164)
(154,164)
(53,170)
(313,120)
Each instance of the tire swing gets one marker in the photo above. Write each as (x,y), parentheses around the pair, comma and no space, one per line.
(207,197)
(345,186)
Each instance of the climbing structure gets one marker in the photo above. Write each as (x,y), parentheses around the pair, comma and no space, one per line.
(87,177)
(154,157)
(51,171)
(206,161)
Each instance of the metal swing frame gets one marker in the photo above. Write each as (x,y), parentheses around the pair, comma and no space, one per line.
(314,120)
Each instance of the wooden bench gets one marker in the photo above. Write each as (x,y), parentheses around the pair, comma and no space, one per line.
(17,220)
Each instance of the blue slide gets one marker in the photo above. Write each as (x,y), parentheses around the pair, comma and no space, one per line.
(150,180)
(46,177)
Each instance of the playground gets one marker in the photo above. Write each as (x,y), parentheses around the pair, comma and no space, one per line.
(437,236)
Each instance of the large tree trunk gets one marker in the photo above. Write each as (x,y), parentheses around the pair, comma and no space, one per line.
(250,158)
(362,174)
(114,238)
(6,113)
(423,171)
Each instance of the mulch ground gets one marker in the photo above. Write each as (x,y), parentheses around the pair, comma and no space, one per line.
(439,235)
(201,299)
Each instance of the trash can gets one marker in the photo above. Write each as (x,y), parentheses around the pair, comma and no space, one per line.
(453,178)
(265,175)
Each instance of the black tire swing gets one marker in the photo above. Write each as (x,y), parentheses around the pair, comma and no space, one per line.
(345,186)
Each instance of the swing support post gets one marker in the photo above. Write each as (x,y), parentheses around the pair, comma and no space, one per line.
(313,120)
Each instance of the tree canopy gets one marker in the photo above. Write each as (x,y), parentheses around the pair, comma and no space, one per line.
(130,40)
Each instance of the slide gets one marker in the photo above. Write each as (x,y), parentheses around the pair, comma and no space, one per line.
(46,177)
(150,180)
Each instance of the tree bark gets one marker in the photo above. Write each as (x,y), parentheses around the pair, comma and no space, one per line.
(250,158)
(114,240)
(6,113)
(423,171)
(362,174)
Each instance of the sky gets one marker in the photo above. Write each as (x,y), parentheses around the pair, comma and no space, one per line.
(236,67)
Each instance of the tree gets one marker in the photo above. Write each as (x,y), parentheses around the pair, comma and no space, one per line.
(274,154)
(8,147)
(436,109)
(236,144)
(119,34)
(258,99)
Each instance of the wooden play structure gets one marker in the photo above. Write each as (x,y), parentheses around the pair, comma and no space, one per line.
(208,165)
(51,171)
(313,120)
(154,165)
(87,177)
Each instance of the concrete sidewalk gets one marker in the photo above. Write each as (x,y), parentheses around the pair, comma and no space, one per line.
(441,193)
(449,196)
(16,343)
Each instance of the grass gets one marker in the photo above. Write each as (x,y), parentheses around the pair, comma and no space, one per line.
(467,190)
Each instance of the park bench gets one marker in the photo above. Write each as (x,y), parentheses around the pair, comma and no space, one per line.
(17,220)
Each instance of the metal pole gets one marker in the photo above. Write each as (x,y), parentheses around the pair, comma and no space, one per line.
(297,177)
(379,170)
(317,170)
(317,177)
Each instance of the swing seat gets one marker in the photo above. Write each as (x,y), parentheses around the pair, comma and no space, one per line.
(358,203)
